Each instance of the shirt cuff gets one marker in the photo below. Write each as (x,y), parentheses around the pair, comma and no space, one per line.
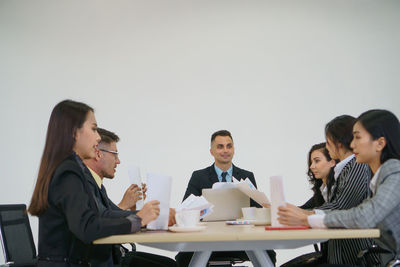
(316,221)
(136,223)
(319,212)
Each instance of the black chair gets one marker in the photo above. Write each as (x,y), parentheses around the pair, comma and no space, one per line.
(378,250)
(16,236)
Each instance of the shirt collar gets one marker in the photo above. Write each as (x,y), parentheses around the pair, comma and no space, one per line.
(219,172)
(324,192)
(374,180)
(96,177)
(339,167)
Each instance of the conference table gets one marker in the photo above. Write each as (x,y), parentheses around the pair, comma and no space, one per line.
(217,236)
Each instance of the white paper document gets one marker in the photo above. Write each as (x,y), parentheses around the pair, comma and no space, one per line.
(159,188)
(247,187)
(193,202)
(277,199)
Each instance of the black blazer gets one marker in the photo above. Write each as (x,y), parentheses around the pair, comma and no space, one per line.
(100,255)
(71,221)
(205,178)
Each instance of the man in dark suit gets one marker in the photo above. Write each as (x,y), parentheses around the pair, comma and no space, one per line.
(104,166)
(223,150)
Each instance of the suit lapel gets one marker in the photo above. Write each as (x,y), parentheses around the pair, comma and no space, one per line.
(212,175)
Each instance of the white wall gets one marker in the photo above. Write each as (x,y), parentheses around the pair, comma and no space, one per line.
(164,75)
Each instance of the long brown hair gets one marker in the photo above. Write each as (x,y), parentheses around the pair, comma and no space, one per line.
(66,117)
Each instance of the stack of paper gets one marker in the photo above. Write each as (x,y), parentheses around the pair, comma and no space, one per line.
(247,187)
(193,202)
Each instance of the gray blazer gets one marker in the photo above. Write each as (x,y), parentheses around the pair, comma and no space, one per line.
(381,210)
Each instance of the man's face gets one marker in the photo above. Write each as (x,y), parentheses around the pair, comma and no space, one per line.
(108,161)
(222,149)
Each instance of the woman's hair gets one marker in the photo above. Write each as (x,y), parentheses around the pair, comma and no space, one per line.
(340,130)
(383,123)
(318,199)
(66,117)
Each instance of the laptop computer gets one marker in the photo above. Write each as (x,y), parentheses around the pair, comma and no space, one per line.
(228,203)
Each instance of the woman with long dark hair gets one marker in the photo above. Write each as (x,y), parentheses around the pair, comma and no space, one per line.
(320,175)
(68,221)
(350,188)
(376,142)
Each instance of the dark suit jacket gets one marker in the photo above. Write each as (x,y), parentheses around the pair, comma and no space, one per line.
(71,221)
(101,254)
(205,178)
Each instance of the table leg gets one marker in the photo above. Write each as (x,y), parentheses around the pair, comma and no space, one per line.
(200,258)
(259,258)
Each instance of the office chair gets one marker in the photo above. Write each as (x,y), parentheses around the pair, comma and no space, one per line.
(378,250)
(16,236)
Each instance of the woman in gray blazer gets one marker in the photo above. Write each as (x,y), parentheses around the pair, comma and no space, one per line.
(376,142)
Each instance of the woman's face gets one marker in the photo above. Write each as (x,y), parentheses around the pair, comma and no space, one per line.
(87,138)
(365,149)
(320,166)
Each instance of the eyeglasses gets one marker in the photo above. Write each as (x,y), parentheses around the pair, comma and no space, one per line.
(115,153)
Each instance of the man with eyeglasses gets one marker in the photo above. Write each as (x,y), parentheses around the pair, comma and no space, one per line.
(104,166)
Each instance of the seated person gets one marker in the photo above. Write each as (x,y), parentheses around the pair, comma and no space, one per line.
(222,149)
(349,190)
(102,166)
(376,142)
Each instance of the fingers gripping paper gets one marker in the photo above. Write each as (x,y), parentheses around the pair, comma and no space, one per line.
(277,198)
(159,188)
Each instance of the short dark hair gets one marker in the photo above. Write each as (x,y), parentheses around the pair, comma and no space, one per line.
(340,130)
(107,136)
(383,123)
(220,133)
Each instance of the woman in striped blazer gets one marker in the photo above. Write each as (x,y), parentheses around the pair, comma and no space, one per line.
(349,189)
(377,143)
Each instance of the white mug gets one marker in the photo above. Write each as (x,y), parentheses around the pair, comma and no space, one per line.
(263,215)
(187,218)
(249,213)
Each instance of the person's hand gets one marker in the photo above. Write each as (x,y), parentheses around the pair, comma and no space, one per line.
(149,212)
(144,190)
(171,220)
(292,215)
(131,196)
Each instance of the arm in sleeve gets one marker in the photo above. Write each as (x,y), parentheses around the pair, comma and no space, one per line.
(67,192)
(371,211)
(308,205)
(193,187)
(352,190)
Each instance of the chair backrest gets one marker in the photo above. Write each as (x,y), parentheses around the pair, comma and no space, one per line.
(16,235)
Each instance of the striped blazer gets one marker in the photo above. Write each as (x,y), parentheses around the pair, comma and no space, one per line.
(381,210)
(350,189)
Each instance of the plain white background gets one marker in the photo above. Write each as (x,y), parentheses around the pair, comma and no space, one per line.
(165,75)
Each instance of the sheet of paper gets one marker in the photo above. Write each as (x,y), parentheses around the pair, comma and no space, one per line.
(159,188)
(277,198)
(193,202)
(135,178)
(254,194)
(223,185)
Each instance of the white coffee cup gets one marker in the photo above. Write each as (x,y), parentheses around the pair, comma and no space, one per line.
(263,215)
(187,218)
(249,213)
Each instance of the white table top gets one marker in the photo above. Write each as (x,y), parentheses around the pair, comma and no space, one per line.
(220,232)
